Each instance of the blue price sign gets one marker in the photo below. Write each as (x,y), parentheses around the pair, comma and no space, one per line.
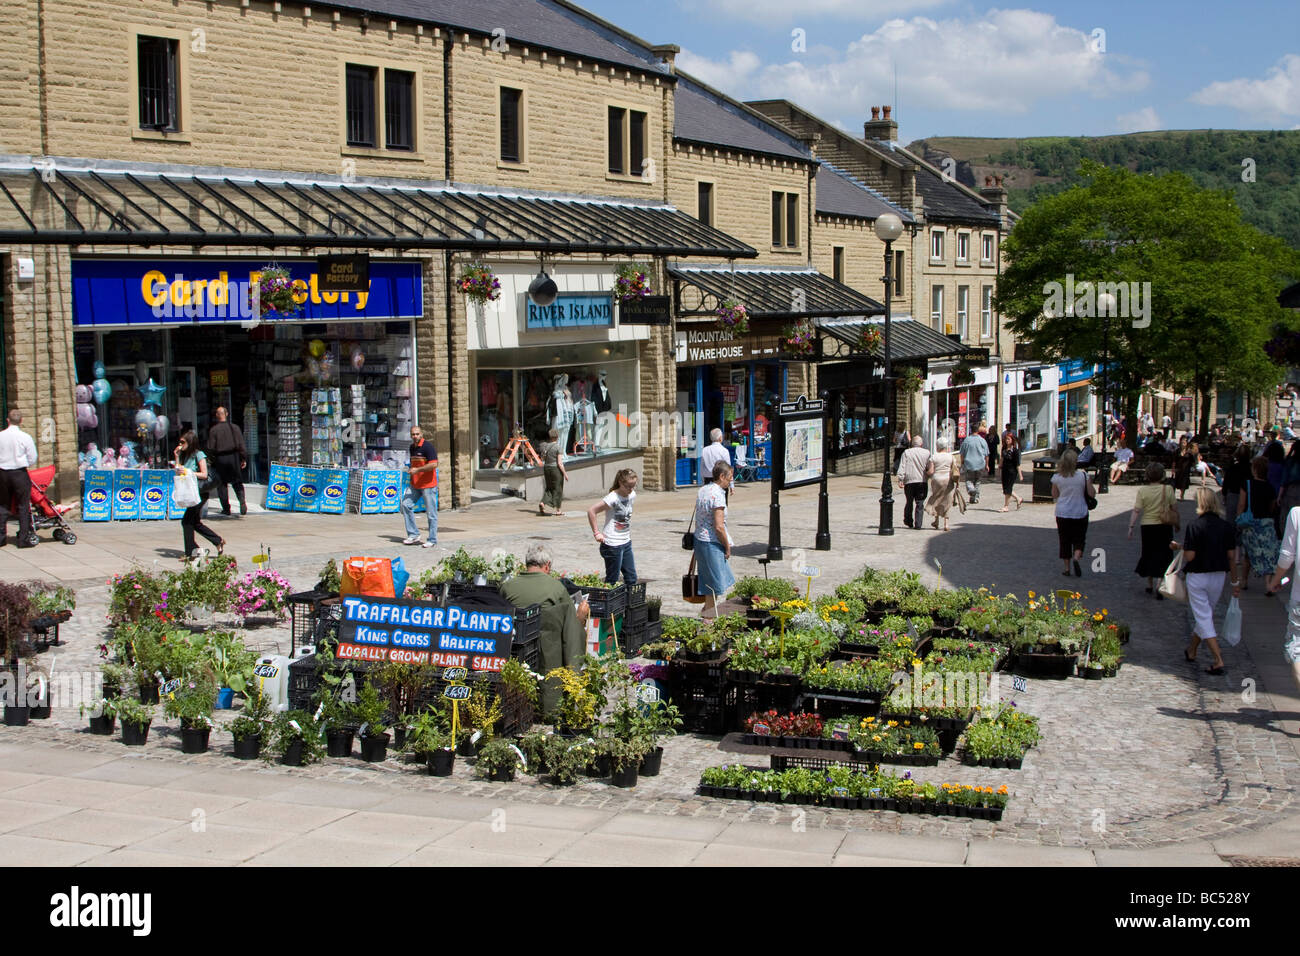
(456,692)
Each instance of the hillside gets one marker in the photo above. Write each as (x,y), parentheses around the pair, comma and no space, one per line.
(1040,166)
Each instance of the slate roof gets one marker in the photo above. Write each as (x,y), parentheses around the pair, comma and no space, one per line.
(703,115)
(909,340)
(769,292)
(542,23)
(943,201)
(839,194)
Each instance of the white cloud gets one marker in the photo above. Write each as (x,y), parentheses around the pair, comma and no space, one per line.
(1004,61)
(1138,121)
(735,74)
(780,13)
(1274,98)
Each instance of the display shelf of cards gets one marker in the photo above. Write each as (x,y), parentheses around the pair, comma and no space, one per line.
(357,447)
(288,413)
(326,431)
(378,396)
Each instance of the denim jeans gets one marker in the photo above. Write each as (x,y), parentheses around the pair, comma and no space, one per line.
(430,506)
(972,478)
(618,558)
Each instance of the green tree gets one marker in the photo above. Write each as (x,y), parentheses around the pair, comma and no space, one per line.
(1196,286)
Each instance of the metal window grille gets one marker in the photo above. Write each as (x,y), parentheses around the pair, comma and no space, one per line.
(361,105)
(156,72)
(399,109)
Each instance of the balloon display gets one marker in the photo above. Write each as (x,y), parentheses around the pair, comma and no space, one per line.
(151,394)
(145,418)
(316,348)
(101,391)
(99,370)
(84,394)
(86,417)
(160,427)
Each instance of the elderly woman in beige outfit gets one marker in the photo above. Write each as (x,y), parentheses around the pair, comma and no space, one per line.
(944,487)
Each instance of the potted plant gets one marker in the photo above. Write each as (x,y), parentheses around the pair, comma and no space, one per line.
(578,705)
(192,705)
(870,338)
(498,760)
(15,614)
(478,283)
(136,717)
(263,592)
(335,713)
(566,758)
(370,712)
(276,293)
(102,716)
(656,721)
(248,727)
(652,606)
(295,739)
(625,755)
(330,580)
(432,744)
(632,281)
(533,745)
(114,676)
(232,666)
(799,338)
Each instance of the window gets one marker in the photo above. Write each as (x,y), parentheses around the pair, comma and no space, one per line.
(986,248)
(159,82)
(512,126)
(361,105)
(704,203)
(898,272)
(399,109)
(963,247)
(936,307)
(785,220)
(627,138)
(936,244)
(963,310)
(837,263)
(986,312)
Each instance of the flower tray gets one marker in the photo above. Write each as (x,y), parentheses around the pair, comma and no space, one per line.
(1054,666)
(997,763)
(837,802)
(905,760)
(606,602)
(700,657)
(796,743)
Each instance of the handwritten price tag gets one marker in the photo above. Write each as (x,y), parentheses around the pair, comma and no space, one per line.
(456,692)
(1019,683)
(455,673)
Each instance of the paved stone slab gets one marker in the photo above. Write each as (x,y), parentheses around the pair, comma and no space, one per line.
(313,850)
(12,780)
(1194,853)
(86,794)
(273,815)
(988,853)
(320,793)
(397,828)
(637,823)
(781,837)
(580,819)
(852,859)
(722,854)
(621,850)
(540,843)
(233,782)
(436,804)
(143,773)
(20,813)
(177,805)
(38,851)
(98,826)
(1279,840)
(216,842)
(447,856)
(139,858)
(904,849)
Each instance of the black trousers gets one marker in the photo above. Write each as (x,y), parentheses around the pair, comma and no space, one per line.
(914,505)
(16,488)
(192,521)
(229,475)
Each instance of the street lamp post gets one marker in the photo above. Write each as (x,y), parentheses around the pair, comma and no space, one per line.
(1105,305)
(888,228)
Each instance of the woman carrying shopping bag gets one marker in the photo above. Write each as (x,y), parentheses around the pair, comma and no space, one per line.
(191,463)
(712,541)
(1210,550)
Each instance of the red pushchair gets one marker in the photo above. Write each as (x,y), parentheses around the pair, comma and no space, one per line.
(46,514)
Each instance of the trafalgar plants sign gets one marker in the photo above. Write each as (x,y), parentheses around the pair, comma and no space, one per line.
(401,631)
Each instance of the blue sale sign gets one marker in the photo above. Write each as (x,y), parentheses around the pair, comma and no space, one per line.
(372,492)
(126,495)
(97,501)
(279,490)
(334,491)
(155,494)
(392,491)
(306,489)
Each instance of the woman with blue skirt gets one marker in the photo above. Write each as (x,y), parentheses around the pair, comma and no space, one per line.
(712,542)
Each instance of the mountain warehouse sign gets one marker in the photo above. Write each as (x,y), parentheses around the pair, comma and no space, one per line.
(706,346)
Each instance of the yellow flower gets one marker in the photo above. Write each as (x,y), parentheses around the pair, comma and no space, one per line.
(1031,595)
(870,720)
(892,723)
(875,736)
(907,723)
(918,746)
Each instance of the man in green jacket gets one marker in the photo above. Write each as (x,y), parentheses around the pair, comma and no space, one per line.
(563,639)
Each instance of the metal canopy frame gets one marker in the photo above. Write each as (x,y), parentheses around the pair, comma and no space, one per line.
(73,203)
(911,341)
(767,293)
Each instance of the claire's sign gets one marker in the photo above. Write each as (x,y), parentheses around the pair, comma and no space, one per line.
(419,632)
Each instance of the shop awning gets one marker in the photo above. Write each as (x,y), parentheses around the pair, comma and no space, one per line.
(71,202)
(767,292)
(909,341)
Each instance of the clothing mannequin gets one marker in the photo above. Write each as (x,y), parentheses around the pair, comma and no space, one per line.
(561,411)
(600,394)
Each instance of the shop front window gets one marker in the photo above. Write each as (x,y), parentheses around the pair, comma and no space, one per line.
(860,423)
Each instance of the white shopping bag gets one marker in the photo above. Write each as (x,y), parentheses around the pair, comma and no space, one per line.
(185,490)
(1232,624)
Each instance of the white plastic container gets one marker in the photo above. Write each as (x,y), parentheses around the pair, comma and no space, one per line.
(271,677)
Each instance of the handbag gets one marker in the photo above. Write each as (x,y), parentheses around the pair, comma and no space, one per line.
(1232,624)
(185,490)
(1247,518)
(1169,513)
(691,585)
(1173,586)
(688,537)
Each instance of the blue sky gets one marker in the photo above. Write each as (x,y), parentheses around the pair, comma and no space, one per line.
(963,69)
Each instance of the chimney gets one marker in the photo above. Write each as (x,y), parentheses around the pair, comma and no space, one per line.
(884,130)
(668,53)
(995,196)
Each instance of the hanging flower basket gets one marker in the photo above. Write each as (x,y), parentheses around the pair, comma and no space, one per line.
(276,293)
(909,381)
(733,316)
(871,338)
(963,374)
(632,282)
(800,338)
(478,283)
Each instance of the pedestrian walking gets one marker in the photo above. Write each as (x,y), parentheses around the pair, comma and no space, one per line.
(914,468)
(616,536)
(1157,511)
(1286,560)
(712,455)
(189,459)
(17,454)
(1275,452)
(1289,496)
(974,464)
(1255,529)
(1011,471)
(1183,461)
(424,482)
(945,470)
(228,458)
(1210,550)
(554,474)
(1235,478)
(1071,489)
(712,540)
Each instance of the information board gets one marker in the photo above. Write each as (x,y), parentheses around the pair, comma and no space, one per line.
(799,443)
(419,632)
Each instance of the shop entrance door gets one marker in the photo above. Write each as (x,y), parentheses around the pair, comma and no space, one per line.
(180,399)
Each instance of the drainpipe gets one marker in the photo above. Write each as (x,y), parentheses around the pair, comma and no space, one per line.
(449,311)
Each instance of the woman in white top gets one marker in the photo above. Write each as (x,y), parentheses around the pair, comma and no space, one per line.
(1286,560)
(1123,457)
(616,536)
(1071,488)
(712,540)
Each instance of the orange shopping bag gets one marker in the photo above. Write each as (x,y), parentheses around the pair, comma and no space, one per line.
(372,577)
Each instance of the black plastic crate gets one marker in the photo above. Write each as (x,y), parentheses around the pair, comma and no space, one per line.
(456,590)
(528,623)
(630,639)
(607,602)
(635,594)
(304,607)
(529,652)
(654,631)
(828,759)
(708,673)
(635,616)
(702,710)
(305,678)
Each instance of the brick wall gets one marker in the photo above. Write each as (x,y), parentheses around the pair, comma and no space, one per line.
(19,79)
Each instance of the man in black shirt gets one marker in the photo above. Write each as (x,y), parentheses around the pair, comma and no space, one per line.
(229,458)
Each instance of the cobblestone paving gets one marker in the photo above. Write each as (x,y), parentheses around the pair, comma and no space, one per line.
(1161,754)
